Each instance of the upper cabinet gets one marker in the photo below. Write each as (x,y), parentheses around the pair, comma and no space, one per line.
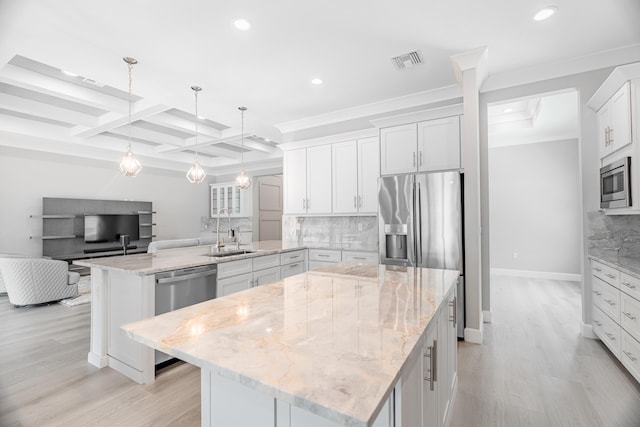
(228,196)
(307,180)
(614,121)
(426,146)
(355,172)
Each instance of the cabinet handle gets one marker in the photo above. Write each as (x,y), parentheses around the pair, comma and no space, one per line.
(598,269)
(610,136)
(355,201)
(308,203)
(608,301)
(359,257)
(435,360)
(454,307)
(324,255)
(293,265)
(629,315)
(420,158)
(610,335)
(414,159)
(359,201)
(606,137)
(597,323)
(294,257)
(628,285)
(597,293)
(257,282)
(430,356)
(629,355)
(304,203)
(610,276)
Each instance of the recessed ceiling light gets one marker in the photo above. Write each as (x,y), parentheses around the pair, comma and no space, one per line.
(242,24)
(545,13)
(508,110)
(316,81)
(69,73)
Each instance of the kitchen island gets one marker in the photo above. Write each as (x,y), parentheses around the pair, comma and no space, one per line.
(351,345)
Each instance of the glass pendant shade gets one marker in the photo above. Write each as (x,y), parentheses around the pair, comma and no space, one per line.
(243,181)
(129,165)
(196,174)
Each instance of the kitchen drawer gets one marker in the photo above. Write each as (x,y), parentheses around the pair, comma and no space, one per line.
(606,273)
(630,354)
(314,265)
(232,268)
(607,330)
(292,269)
(630,285)
(266,261)
(630,315)
(360,257)
(293,256)
(326,255)
(606,297)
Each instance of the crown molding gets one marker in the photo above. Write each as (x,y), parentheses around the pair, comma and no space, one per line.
(614,82)
(331,139)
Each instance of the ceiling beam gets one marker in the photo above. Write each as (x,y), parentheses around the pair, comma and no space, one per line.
(177,123)
(141,111)
(46,111)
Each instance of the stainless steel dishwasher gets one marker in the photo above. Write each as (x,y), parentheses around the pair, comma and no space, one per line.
(181,288)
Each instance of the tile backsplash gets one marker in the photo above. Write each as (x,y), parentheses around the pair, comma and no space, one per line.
(613,236)
(346,232)
(242,226)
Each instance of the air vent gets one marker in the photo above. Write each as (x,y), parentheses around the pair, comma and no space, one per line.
(407,60)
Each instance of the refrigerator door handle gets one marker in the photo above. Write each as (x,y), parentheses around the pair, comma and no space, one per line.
(415,225)
(419,230)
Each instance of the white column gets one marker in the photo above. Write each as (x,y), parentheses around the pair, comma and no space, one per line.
(470,68)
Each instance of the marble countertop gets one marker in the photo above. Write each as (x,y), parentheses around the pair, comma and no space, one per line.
(331,341)
(177,258)
(627,265)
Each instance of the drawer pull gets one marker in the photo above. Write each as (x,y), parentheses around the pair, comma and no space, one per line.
(598,269)
(629,285)
(629,315)
(610,335)
(324,255)
(597,293)
(597,323)
(629,355)
(294,257)
(608,301)
(610,276)
(293,265)
(359,257)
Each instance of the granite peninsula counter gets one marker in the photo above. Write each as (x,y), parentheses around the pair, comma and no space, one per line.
(345,345)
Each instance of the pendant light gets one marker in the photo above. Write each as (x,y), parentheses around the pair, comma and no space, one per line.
(243,181)
(196,174)
(129,165)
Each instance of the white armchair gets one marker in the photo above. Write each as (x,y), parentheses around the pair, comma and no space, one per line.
(36,280)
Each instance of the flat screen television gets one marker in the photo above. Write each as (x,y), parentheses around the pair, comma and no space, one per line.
(109,227)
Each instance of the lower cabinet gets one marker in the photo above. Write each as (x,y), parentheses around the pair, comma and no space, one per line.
(268,275)
(319,258)
(292,263)
(230,285)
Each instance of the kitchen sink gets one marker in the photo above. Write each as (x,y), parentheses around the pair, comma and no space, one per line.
(224,253)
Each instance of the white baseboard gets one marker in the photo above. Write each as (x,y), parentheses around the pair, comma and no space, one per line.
(473,335)
(97,360)
(587,331)
(569,277)
(486,316)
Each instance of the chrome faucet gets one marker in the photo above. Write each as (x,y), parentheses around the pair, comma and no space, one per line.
(220,244)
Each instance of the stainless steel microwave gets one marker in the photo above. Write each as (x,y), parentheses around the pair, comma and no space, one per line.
(615,184)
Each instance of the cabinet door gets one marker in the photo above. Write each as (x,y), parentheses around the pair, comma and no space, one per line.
(429,384)
(344,158)
(295,181)
(319,179)
(266,276)
(621,118)
(452,344)
(442,365)
(233,284)
(439,144)
(604,125)
(398,146)
(368,174)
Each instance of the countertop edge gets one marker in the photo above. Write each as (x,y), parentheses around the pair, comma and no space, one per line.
(616,265)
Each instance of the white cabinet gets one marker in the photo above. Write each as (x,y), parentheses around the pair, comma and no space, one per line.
(307,180)
(231,285)
(360,257)
(426,146)
(398,149)
(319,258)
(614,121)
(439,144)
(429,372)
(355,172)
(292,263)
(266,276)
(228,196)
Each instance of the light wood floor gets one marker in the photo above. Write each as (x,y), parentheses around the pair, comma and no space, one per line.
(533,369)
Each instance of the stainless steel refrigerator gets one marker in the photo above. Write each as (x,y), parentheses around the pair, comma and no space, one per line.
(420,222)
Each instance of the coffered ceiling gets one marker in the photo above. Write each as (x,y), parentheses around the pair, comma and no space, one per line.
(63,84)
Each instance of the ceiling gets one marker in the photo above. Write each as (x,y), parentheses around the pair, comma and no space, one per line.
(349,45)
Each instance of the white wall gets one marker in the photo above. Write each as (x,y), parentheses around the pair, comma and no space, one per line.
(28,176)
(535,207)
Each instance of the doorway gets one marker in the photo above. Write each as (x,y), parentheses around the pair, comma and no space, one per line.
(267,211)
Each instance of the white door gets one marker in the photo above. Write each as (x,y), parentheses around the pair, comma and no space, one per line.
(295,181)
(604,124)
(368,174)
(269,224)
(398,146)
(344,158)
(439,144)
(319,179)
(621,117)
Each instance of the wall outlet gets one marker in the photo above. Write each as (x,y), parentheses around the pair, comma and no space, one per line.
(515,255)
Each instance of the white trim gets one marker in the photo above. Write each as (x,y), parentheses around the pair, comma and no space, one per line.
(614,82)
(486,316)
(587,331)
(475,59)
(473,335)
(419,116)
(97,360)
(330,139)
(570,277)
(388,105)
